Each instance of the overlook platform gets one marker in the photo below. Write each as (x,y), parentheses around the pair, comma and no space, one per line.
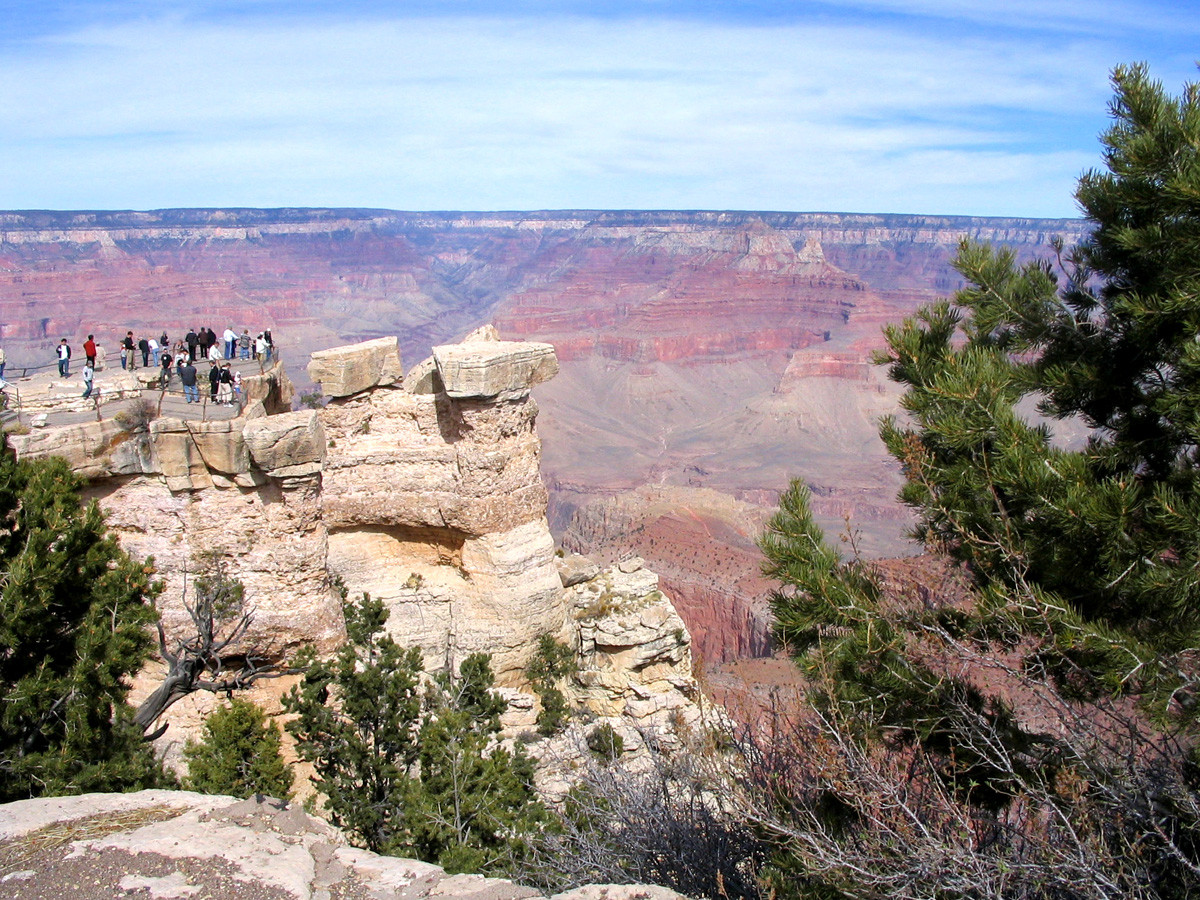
(44,399)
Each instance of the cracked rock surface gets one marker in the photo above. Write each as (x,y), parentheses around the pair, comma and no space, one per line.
(177,845)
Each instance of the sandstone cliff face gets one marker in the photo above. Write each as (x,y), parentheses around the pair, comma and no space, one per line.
(435,505)
(424,492)
(176,490)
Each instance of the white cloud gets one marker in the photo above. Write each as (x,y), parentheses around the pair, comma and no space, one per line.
(427,113)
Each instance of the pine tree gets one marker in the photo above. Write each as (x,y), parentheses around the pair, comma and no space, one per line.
(552,662)
(1085,566)
(239,754)
(357,717)
(1104,539)
(476,808)
(406,770)
(74,619)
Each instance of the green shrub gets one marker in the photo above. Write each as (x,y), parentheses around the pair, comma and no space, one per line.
(239,755)
(552,662)
(605,743)
(414,769)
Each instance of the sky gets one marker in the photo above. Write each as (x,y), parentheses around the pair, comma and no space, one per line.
(875,106)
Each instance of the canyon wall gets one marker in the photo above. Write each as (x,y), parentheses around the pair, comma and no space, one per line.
(723,351)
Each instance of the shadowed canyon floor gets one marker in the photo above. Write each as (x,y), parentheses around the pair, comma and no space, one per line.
(706,357)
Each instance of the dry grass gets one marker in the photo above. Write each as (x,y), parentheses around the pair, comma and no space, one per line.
(17,854)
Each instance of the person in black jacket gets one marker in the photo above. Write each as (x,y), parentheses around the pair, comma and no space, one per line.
(225,387)
(127,347)
(144,346)
(214,379)
(64,359)
(187,375)
(164,380)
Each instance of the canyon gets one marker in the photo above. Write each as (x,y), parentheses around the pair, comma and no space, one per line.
(705,357)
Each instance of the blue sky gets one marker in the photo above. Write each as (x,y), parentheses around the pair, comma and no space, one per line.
(918,106)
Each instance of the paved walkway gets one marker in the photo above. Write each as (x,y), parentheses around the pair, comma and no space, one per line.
(38,391)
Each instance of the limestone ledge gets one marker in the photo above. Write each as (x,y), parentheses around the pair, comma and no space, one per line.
(486,368)
(217,846)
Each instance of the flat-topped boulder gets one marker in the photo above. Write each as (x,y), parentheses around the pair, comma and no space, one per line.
(343,371)
(487,368)
(222,445)
(288,445)
(179,457)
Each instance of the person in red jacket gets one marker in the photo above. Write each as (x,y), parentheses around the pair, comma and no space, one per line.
(89,350)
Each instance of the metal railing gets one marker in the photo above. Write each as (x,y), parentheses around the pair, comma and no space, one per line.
(27,370)
(12,408)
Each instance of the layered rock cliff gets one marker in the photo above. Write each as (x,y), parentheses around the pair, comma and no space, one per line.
(423,491)
(719,350)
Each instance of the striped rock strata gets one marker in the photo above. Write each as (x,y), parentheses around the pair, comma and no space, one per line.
(424,492)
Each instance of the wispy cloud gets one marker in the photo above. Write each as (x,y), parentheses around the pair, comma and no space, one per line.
(896,105)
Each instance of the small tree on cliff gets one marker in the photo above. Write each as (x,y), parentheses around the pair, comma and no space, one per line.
(74,620)
(925,780)
(239,754)
(212,655)
(476,809)
(407,770)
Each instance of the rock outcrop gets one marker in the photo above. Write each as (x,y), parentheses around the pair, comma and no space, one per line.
(493,368)
(435,505)
(635,661)
(175,844)
(429,499)
(343,371)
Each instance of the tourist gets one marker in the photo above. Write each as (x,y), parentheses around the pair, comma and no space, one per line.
(214,380)
(260,347)
(214,352)
(155,349)
(270,344)
(244,343)
(89,350)
(89,373)
(164,379)
(128,348)
(193,340)
(225,386)
(3,359)
(64,358)
(144,346)
(230,337)
(187,376)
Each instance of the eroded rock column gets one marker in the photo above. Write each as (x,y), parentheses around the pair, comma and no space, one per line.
(434,501)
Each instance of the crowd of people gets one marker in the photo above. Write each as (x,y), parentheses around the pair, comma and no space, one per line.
(179,359)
